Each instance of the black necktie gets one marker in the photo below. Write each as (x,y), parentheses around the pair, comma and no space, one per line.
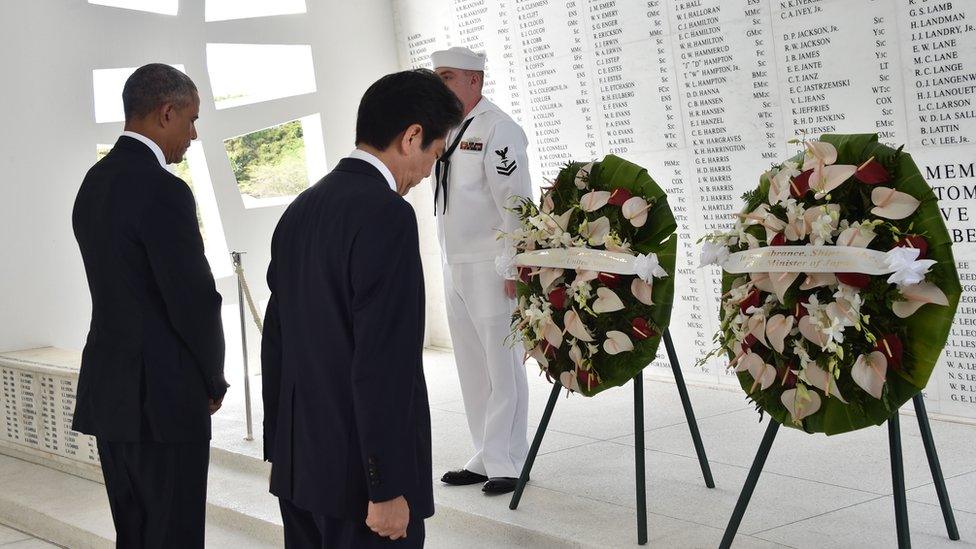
(443,167)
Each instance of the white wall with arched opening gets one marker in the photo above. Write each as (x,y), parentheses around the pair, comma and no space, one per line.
(258,65)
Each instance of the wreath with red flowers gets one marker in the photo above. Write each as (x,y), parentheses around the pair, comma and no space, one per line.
(589,328)
(833,351)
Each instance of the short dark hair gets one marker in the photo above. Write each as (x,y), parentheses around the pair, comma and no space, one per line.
(152,85)
(397,101)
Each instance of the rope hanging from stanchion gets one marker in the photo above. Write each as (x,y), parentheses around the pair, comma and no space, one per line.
(239,269)
(244,294)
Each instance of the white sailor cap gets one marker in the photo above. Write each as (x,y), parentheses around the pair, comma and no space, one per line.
(459,58)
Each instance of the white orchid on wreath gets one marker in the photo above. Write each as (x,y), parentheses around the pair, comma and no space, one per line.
(802,342)
(586,326)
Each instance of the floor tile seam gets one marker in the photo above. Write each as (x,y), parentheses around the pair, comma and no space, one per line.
(778,543)
(587,443)
(664,515)
(758,533)
(591,438)
(594,499)
(939,506)
(755,534)
(677,423)
(765,472)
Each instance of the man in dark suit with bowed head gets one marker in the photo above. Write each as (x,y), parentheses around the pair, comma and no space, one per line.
(152,368)
(347,424)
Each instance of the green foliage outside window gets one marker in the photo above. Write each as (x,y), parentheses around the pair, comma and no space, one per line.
(270,162)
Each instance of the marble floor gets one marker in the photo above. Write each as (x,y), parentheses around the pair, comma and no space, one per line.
(816,491)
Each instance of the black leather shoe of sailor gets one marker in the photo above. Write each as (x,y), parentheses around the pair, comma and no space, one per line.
(499,485)
(462,477)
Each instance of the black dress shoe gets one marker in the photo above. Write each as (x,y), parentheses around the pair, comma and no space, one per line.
(462,477)
(500,485)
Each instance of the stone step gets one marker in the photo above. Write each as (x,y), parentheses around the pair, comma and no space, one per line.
(72,511)
(238,494)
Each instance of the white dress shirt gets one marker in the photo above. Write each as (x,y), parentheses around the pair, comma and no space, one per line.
(360,154)
(149,143)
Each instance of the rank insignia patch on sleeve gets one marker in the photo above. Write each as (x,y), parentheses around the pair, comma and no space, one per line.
(505,166)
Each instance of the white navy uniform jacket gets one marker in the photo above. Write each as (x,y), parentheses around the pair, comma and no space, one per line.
(487,168)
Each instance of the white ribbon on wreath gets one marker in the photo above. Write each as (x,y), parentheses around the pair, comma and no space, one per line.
(645,267)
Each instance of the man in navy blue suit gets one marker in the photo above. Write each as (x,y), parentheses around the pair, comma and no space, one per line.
(347,423)
(153,367)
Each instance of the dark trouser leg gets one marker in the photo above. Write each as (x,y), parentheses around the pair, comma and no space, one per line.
(301,527)
(157,492)
(126,511)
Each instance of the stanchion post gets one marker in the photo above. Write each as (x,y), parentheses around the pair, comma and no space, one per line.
(239,269)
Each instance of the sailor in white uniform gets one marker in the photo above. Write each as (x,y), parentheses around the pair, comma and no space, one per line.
(483,167)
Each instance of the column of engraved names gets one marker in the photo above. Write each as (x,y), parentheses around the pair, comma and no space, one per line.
(11,404)
(808,101)
(668,162)
(662,50)
(544,120)
(419,47)
(616,88)
(634,69)
(705,62)
(728,102)
(76,445)
(557,82)
(939,58)
(580,56)
(758,35)
(888,112)
(838,63)
(959,360)
(503,60)
(726,69)
(639,120)
(52,432)
(30,419)
(703,48)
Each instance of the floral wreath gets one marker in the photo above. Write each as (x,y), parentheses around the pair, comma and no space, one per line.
(830,351)
(596,274)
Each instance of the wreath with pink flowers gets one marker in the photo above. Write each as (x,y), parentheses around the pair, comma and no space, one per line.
(593,329)
(831,351)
